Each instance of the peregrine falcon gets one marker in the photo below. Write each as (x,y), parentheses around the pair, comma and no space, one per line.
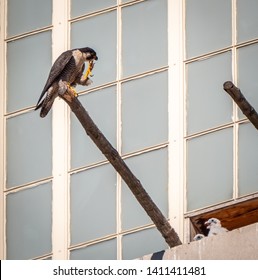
(66,72)
(214,227)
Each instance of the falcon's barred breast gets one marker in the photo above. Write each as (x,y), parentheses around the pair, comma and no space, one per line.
(67,71)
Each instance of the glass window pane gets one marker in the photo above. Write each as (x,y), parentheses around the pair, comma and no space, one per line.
(80,7)
(144,112)
(208,26)
(209,169)
(99,33)
(247,20)
(141,243)
(28,65)
(101,106)
(152,170)
(93,204)
(207,103)
(101,251)
(247,74)
(29,222)
(26,15)
(248,159)
(29,148)
(144,38)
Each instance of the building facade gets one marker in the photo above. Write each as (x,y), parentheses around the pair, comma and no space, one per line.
(157,95)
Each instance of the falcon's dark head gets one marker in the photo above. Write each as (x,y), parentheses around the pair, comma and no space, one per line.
(90,53)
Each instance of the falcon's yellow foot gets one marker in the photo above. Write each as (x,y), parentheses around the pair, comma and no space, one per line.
(88,72)
(72,90)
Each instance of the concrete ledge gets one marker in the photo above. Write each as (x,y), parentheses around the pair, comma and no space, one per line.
(238,244)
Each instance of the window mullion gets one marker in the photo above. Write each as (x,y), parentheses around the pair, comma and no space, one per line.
(60,134)
(176,194)
(2,127)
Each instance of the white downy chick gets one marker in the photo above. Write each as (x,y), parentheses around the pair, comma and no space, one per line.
(198,236)
(214,227)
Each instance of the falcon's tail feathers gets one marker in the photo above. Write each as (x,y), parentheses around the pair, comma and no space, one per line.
(45,107)
(48,101)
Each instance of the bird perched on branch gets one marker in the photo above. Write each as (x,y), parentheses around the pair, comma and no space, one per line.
(66,72)
(214,227)
(198,236)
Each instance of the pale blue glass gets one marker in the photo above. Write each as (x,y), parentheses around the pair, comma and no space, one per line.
(152,170)
(144,37)
(29,148)
(144,112)
(248,159)
(208,26)
(208,105)
(27,15)
(105,250)
(29,222)
(99,33)
(247,20)
(101,106)
(93,204)
(209,169)
(80,7)
(138,244)
(28,65)
(247,74)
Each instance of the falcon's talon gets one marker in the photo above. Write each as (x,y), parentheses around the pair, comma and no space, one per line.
(72,89)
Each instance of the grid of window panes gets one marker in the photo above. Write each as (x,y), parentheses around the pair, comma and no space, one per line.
(129,103)
(221,44)
(28,189)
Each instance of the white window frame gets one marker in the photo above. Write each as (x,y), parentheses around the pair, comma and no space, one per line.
(2,128)
(61,137)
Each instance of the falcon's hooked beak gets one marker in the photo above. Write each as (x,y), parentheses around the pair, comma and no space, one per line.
(207,224)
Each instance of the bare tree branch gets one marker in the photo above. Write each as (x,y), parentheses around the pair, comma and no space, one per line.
(242,103)
(115,159)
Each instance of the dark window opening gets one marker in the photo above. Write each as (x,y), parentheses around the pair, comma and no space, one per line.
(233,216)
